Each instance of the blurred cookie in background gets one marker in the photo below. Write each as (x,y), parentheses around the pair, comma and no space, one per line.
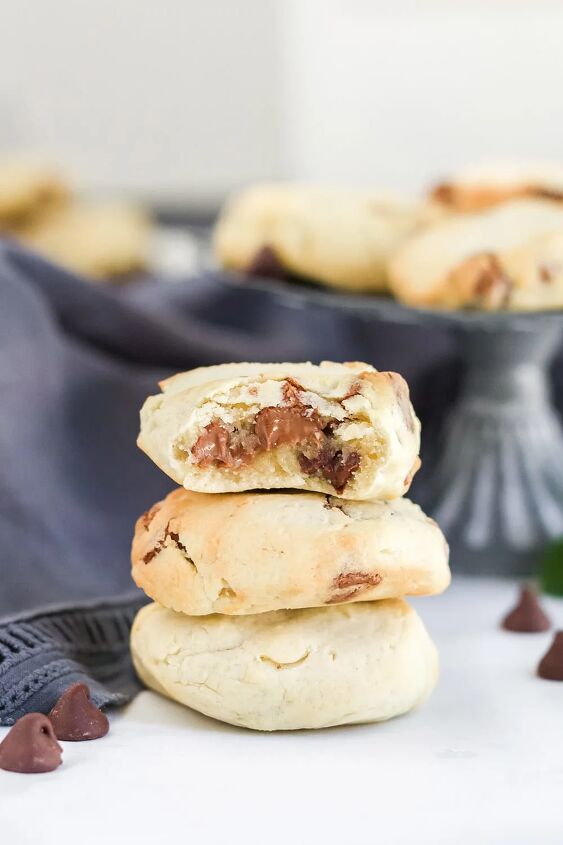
(484,185)
(334,236)
(108,241)
(509,257)
(28,190)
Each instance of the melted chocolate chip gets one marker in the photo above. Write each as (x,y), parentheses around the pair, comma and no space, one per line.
(266,264)
(551,664)
(527,616)
(212,446)
(352,583)
(355,579)
(331,465)
(31,746)
(286,426)
(547,194)
(217,445)
(75,717)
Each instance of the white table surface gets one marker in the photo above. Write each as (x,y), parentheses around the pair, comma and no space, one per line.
(481,762)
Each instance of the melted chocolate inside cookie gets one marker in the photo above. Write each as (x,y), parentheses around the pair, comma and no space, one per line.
(291,424)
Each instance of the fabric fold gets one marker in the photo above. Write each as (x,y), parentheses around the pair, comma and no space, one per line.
(42,655)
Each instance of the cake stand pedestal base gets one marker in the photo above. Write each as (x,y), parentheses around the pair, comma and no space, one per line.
(495,484)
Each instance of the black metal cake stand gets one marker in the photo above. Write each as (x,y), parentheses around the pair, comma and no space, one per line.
(494,469)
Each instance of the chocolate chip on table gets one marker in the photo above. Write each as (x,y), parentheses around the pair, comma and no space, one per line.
(76,718)
(31,746)
(551,665)
(527,616)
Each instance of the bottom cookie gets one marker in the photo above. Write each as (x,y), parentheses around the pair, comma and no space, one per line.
(289,669)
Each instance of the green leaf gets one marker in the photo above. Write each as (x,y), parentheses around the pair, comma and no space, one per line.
(552,569)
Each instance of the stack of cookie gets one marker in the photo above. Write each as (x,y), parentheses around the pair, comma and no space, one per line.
(278,571)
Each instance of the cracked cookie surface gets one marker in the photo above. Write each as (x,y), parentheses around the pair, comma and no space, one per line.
(289,670)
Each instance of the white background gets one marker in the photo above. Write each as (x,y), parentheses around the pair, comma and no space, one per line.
(183,99)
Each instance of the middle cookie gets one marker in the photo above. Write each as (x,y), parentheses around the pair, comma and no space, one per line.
(254,552)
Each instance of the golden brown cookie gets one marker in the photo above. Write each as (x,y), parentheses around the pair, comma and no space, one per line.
(239,553)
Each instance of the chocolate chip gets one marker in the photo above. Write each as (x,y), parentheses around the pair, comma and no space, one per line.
(213,446)
(31,746)
(548,271)
(331,464)
(352,583)
(75,718)
(286,426)
(354,579)
(266,264)
(547,194)
(527,616)
(443,192)
(551,665)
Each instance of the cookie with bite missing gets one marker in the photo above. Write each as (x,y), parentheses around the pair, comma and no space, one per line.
(290,669)
(509,257)
(240,553)
(334,236)
(342,429)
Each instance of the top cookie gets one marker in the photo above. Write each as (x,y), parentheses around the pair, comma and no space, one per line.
(482,186)
(333,428)
(27,190)
(339,237)
(508,257)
